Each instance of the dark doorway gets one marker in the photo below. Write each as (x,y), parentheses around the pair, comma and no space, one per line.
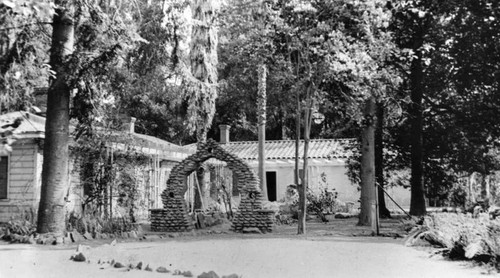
(271,186)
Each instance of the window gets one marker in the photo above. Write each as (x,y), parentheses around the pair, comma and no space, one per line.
(4,167)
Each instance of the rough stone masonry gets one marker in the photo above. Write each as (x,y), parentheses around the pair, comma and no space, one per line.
(173,217)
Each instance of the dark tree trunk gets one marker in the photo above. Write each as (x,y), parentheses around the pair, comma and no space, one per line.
(417,203)
(379,162)
(367,174)
(51,211)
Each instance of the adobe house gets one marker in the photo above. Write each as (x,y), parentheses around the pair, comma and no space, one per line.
(327,167)
(21,168)
(327,160)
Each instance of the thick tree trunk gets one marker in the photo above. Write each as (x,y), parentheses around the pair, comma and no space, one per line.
(367,174)
(261,107)
(51,211)
(379,162)
(417,203)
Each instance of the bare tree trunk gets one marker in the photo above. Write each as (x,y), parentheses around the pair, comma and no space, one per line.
(379,162)
(51,211)
(297,143)
(261,108)
(305,179)
(367,164)
(417,203)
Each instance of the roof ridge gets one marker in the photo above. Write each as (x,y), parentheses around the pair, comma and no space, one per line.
(292,140)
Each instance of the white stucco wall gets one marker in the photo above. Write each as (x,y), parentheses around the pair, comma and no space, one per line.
(335,174)
(336,178)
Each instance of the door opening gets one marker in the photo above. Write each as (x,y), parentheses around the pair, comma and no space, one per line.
(271,186)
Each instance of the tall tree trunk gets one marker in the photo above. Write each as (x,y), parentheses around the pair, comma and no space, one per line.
(305,179)
(379,162)
(299,181)
(51,211)
(417,203)
(368,164)
(297,144)
(261,108)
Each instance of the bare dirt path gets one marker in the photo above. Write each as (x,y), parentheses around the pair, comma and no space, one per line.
(246,255)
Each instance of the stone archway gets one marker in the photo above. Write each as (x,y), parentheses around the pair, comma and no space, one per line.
(174,215)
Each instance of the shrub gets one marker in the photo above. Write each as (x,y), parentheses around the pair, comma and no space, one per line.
(457,196)
(20,227)
(320,204)
(463,237)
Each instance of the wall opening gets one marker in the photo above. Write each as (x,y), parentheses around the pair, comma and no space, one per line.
(4,176)
(271,186)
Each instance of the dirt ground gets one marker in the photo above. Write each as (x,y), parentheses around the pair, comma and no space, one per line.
(337,249)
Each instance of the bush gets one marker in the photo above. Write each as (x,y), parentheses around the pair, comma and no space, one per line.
(18,231)
(20,227)
(320,204)
(463,237)
(458,196)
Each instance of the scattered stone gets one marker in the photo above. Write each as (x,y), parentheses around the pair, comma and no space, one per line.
(234,275)
(210,274)
(113,243)
(177,272)
(133,234)
(82,248)
(162,269)
(76,236)
(118,265)
(78,257)
(187,274)
(493,212)
(40,240)
(148,268)
(87,236)
(50,241)
(139,266)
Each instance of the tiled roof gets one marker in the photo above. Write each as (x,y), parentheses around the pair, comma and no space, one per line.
(285,149)
(31,125)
